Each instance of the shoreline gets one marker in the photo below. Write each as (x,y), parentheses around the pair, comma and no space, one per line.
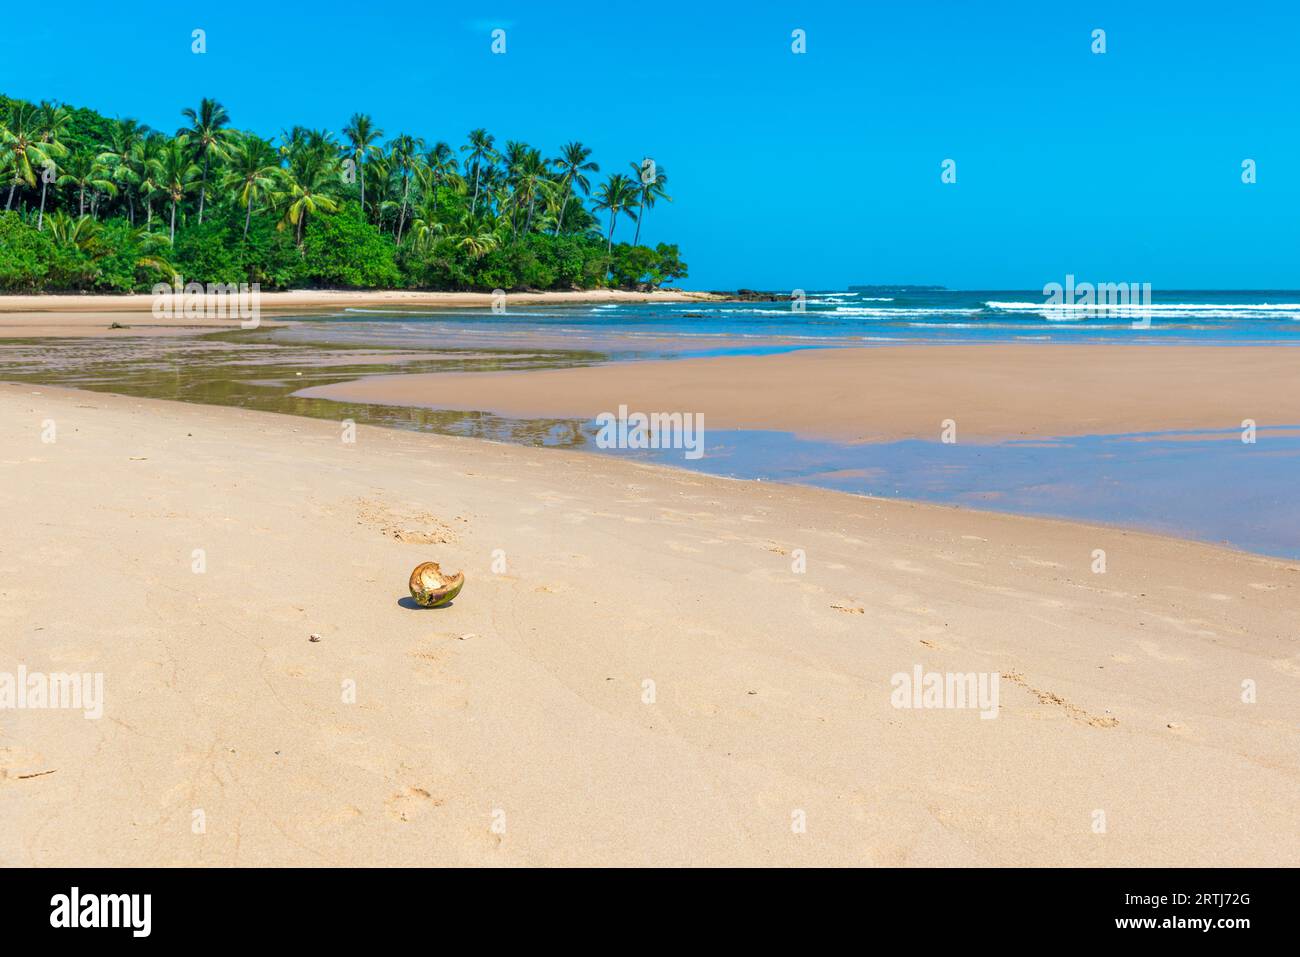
(60,315)
(526,695)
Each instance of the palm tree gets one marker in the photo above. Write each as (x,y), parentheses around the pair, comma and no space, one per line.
(618,195)
(362,135)
(208,136)
(481,235)
(381,187)
(175,173)
(480,150)
(532,179)
(425,227)
(253,173)
(440,167)
(144,165)
(53,120)
(649,189)
(405,154)
(84,170)
(309,179)
(80,232)
(573,166)
(27,151)
(119,158)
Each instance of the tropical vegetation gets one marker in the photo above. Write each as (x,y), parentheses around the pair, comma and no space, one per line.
(99,204)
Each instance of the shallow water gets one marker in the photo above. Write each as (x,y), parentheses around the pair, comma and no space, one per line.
(1204,485)
(1208,486)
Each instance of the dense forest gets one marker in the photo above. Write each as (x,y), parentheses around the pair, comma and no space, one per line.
(110,205)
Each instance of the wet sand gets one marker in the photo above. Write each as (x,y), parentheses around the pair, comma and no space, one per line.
(91,315)
(646,680)
(896,392)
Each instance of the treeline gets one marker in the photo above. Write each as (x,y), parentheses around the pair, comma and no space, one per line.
(100,204)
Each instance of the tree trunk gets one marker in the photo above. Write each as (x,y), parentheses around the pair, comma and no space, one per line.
(563,206)
(637,237)
(40,220)
(172,240)
(9,201)
(401,223)
(609,246)
(203,189)
(472,206)
(82,210)
(363,188)
(248,216)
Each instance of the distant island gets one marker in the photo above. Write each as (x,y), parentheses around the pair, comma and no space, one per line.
(94,204)
(898,289)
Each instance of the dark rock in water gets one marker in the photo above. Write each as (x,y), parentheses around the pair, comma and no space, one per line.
(692,315)
(753,295)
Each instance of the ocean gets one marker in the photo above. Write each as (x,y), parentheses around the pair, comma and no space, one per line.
(877,316)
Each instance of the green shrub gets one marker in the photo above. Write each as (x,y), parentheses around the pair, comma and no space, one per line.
(339,249)
(26,256)
(640,266)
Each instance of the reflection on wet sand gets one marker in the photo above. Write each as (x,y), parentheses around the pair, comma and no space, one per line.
(248,370)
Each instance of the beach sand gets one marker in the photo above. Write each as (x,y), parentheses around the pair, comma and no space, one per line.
(92,315)
(520,725)
(895,392)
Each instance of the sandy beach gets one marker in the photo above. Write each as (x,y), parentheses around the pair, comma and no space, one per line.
(989,391)
(635,672)
(92,315)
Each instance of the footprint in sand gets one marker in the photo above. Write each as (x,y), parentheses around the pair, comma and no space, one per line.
(407,526)
(1051,698)
(408,804)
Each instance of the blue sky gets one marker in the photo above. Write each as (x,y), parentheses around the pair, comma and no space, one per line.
(808,171)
